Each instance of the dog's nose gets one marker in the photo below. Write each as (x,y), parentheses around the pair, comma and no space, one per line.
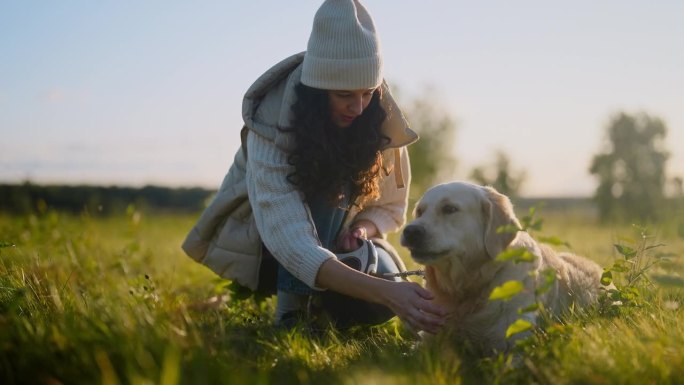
(412,234)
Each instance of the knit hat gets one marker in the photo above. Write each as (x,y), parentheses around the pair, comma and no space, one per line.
(343,51)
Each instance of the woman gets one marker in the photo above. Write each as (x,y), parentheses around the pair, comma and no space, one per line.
(323,166)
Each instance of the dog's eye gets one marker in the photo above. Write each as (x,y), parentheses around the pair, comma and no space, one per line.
(449,209)
(418,213)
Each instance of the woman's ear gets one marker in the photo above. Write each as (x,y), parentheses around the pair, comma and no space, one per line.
(500,224)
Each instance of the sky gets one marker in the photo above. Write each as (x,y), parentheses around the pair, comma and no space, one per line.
(150,92)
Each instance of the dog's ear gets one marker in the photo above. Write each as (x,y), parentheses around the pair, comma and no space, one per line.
(501,226)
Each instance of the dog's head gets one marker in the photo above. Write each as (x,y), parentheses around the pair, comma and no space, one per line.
(459,220)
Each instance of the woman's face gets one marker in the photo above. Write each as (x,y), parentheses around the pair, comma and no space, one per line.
(345,106)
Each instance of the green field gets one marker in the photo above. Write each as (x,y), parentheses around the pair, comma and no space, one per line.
(86,300)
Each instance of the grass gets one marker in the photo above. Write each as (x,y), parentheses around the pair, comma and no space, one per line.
(88,300)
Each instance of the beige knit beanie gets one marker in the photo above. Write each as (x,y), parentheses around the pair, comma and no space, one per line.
(344,50)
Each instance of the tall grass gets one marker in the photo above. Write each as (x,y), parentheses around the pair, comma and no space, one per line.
(88,300)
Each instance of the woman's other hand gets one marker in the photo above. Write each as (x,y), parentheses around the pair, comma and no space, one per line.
(349,239)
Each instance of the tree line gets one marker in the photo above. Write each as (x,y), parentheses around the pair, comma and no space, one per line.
(28,197)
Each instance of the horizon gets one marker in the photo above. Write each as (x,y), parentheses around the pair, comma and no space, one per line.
(209,189)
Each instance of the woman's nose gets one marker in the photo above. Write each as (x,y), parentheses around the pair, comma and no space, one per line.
(356,106)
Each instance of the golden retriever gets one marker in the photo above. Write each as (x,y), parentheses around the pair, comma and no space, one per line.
(454,234)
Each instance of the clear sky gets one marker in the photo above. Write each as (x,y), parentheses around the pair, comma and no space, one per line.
(138,92)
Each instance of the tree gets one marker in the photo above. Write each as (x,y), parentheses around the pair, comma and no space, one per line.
(500,176)
(432,158)
(631,171)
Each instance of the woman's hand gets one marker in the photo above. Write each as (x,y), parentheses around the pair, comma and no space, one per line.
(349,240)
(408,300)
(413,305)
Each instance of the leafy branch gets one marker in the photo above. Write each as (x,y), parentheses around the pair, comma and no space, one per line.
(628,276)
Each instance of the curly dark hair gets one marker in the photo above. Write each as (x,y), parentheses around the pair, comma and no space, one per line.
(331,161)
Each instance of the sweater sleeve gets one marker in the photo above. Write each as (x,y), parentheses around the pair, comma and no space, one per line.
(388,213)
(282,218)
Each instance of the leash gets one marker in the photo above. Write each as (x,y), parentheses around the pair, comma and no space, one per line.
(405,274)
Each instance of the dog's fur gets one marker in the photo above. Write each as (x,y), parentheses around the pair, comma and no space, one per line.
(454,234)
